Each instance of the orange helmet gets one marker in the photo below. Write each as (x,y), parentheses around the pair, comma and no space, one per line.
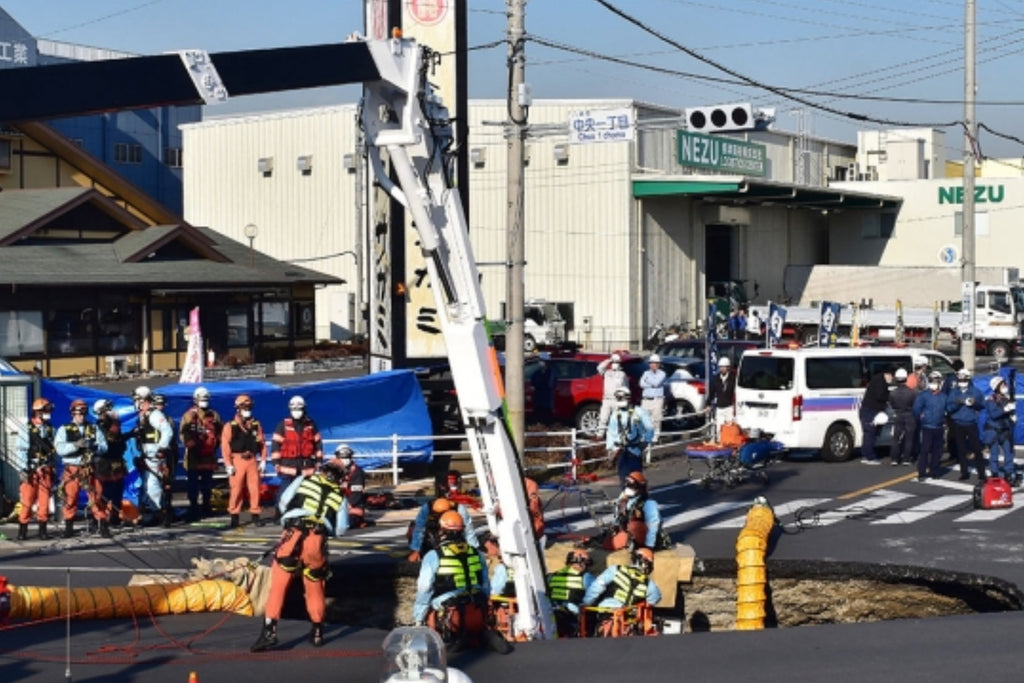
(638,478)
(440,506)
(41,405)
(643,558)
(79,406)
(243,401)
(451,521)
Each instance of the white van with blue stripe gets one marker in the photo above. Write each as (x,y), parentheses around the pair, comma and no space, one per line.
(810,398)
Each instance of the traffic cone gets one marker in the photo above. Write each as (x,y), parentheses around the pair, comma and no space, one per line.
(193,677)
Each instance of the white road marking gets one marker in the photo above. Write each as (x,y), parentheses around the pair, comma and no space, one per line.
(780,511)
(925,509)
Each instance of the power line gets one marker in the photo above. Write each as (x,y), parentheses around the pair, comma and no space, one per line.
(764,86)
(97,20)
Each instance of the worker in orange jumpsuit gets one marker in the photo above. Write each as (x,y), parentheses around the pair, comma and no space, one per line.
(77,443)
(37,459)
(313,508)
(245,458)
(297,446)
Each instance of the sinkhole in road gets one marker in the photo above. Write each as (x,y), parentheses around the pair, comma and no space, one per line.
(800,593)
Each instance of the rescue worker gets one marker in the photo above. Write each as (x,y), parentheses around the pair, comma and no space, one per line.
(201,429)
(454,573)
(153,435)
(110,468)
(77,442)
(625,585)
(652,389)
(904,426)
(501,575)
(1000,417)
(918,379)
(423,532)
(244,451)
(630,429)
(353,485)
(722,394)
(964,403)
(37,462)
(313,509)
(297,446)
(873,413)
(170,471)
(614,378)
(535,506)
(566,588)
(930,412)
(637,517)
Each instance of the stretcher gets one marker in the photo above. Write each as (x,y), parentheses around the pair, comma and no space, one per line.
(731,466)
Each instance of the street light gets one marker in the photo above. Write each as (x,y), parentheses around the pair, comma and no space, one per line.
(251,231)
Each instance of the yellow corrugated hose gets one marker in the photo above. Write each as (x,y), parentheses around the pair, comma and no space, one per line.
(114,602)
(751,546)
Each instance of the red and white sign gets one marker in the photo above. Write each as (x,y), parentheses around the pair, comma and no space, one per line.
(428,12)
(377,19)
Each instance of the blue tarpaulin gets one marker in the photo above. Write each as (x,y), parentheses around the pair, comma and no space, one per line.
(378,405)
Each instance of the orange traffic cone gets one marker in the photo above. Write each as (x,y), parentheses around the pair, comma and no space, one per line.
(193,677)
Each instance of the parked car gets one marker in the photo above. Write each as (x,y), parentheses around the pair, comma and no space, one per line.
(694,348)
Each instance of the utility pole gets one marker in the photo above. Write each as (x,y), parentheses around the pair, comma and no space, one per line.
(970,137)
(515,133)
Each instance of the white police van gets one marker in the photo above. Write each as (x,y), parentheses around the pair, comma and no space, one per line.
(810,398)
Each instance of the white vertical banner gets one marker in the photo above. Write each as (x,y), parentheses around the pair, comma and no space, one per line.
(192,371)
(431,23)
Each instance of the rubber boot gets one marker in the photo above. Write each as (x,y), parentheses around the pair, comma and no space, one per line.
(233,524)
(43,534)
(104,528)
(267,639)
(23,532)
(316,635)
(69,528)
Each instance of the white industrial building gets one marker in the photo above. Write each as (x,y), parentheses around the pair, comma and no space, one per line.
(627,232)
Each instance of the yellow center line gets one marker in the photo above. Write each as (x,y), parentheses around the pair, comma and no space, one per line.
(875,487)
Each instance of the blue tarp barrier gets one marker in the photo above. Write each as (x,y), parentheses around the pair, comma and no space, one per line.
(378,405)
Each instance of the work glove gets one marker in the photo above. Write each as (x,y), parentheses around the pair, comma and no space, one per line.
(414,556)
(968,401)
(230,469)
(262,466)
(880,419)
(24,476)
(1010,407)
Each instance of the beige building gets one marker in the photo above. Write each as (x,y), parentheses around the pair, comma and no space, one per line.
(625,233)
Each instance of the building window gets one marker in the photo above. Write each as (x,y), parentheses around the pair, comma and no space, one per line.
(126,153)
(238,326)
(5,154)
(877,226)
(70,332)
(21,333)
(980,224)
(271,319)
(118,329)
(172,156)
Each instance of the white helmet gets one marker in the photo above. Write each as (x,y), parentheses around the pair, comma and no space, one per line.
(101,405)
(920,361)
(622,392)
(724,362)
(901,375)
(995,382)
(616,358)
(296,403)
(654,358)
(201,394)
(142,393)
(344,453)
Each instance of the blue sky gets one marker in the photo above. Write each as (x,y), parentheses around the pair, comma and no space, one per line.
(884,49)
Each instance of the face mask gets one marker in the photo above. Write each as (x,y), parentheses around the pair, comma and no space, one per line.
(934,386)
(962,385)
(616,366)
(296,414)
(1004,390)
(630,492)
(245,413)
(622,404)
(203,404)
(45,417)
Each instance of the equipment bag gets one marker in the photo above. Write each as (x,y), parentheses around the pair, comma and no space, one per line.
(754,455)
(994,493)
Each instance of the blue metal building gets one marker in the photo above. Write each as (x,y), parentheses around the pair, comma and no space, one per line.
(144,146)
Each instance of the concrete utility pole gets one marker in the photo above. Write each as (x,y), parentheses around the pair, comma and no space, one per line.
(515,133)
(970,138)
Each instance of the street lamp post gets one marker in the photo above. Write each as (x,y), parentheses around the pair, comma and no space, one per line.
(251,231)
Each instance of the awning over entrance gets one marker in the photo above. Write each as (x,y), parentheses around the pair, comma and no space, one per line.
(739,190)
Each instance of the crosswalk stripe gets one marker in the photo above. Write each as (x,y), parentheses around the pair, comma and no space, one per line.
(780,511)
(983,515)
(878,499)
(702,512)
(925,509)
